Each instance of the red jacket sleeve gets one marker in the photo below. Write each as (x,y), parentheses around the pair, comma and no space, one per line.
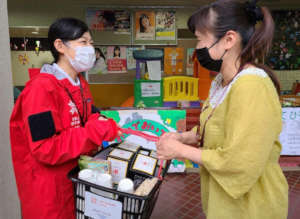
(66,144)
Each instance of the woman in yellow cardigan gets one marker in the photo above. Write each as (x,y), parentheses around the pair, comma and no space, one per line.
(240,121)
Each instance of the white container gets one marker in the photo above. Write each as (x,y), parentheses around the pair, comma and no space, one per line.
(104,179)
(126,185)
(87,175)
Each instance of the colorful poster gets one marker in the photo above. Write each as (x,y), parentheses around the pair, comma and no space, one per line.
(100,20)
(131,63)
(100,66)
(116,59)
(173,60)
(152,122)
(122,24)
(189,61)
(145,25)
(165,25)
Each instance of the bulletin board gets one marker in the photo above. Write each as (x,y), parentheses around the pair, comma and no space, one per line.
(111,35)
(108,35)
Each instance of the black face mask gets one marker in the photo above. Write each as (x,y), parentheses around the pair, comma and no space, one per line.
(206,61)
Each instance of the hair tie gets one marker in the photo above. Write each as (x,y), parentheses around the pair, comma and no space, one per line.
(253,11)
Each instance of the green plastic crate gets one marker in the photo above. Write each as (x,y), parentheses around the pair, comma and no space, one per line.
(148,93)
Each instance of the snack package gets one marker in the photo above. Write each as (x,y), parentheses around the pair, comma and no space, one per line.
(146,187)
(102,166)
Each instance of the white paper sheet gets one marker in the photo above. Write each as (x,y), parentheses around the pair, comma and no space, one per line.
(290,134)
(101,208)
(154,69)
(150,89)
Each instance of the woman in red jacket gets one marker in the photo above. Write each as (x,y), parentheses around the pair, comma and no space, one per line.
(53,123)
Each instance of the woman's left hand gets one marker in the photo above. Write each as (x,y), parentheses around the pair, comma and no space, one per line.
(168,148)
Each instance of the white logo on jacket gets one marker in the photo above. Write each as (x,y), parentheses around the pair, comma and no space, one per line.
(75,118)
(73,108)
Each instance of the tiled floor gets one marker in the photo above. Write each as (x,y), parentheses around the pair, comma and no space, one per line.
(179,197)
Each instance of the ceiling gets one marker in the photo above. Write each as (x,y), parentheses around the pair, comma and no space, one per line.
(140,3)
(183,3)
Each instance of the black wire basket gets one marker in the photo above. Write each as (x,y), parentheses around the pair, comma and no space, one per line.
(133,206)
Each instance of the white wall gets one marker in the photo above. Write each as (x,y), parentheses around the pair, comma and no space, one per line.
(9,202)
(20,68)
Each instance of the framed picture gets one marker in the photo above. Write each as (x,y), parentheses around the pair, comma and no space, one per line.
(144,164)
(145,25)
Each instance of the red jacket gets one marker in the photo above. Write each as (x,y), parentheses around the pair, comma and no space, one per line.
(47,137)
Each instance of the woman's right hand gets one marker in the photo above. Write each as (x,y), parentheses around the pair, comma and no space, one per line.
(189,137)
(174,135)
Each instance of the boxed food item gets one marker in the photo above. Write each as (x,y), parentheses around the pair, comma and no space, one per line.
(100,165)
(143,164)
(120,160)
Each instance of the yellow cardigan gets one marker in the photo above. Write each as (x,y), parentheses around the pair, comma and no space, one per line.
(241,177)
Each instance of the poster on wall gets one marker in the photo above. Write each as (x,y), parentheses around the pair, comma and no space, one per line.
(100,20)
(165,25)
(122,24)
(100,66)
(116,59)
(173,60)
(290,134)
(23,59)
(131,63)
(152,122)
(189,61)
(145,25)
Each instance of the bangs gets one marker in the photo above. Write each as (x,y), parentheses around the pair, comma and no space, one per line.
(201,21)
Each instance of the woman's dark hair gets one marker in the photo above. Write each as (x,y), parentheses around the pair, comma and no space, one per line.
(224,15)
(115,49)
(100,52)
(65,29)
(142,28)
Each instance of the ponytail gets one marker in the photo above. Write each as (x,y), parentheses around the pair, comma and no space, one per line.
(259,46)
(242,18)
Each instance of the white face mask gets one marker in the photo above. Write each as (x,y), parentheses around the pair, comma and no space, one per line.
(84,58)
